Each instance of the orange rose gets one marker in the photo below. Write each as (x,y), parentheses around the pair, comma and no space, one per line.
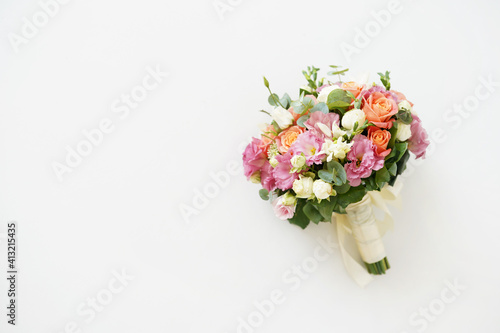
(379,108)
(380,138)
(287,137)
(353,87)
(267,138)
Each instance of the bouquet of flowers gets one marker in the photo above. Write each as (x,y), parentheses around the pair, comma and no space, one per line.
(325,152)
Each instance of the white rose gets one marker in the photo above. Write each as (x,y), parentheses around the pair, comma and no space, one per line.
(322,189)
(303,187)
(323,95)
(298,161)
(404,132)
(352,117)
(288,199)
(405,105)
(282,117)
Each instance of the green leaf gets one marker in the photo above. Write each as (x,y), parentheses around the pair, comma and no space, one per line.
(326,175)
(393,169)
(385,80)
(273,100)
(354,194)
(320,107)
(302,120)
(370,183)
(400,149)
(286,101)
(339,175)
(312,213)
(382,176)
(402,162)
(326,207)
(338,98)
(342,188)
(264,194)
(300,217)
(405,116)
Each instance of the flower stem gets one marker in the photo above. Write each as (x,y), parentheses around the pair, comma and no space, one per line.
(379,267)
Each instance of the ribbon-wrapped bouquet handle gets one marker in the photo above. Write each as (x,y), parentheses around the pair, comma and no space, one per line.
(333,154)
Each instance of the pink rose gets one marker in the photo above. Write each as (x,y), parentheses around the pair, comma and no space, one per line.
(418,141)
(282,211)
(253,157)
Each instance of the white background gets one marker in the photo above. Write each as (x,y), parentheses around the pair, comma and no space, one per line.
(120,208)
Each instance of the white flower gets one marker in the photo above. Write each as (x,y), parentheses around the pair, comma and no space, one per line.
(322,189)
(303,187)
(405,105)
(273,161)
(353,116)
(282,117)
(255,177)
(404,132)
(337,149)
(336,131)
(288,199)
(323,95)
(298,161)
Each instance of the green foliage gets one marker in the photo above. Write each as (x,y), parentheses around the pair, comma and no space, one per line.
(354,194)
(326,175)
(338,172)
(264,194)
(286,101)
(302,120)
(382,176)
(274,100)
(312,212)
(338,99)
(385,80)
(300,217)
(404,116)
(321,107)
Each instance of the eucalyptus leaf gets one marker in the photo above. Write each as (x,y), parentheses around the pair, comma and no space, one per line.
(320,107)
(264,194)
(302,120)
(342,188)
(326,175)
(273,100)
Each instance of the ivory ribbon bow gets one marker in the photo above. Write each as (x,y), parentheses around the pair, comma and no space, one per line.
(357,269)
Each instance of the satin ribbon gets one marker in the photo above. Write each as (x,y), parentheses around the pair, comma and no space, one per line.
(355,268)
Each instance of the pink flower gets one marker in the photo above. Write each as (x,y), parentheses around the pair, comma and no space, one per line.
(363,159)
(282,211)
(266,177)
(319,117)
(309,144)
(253,157)
(418,141)
(284,179)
